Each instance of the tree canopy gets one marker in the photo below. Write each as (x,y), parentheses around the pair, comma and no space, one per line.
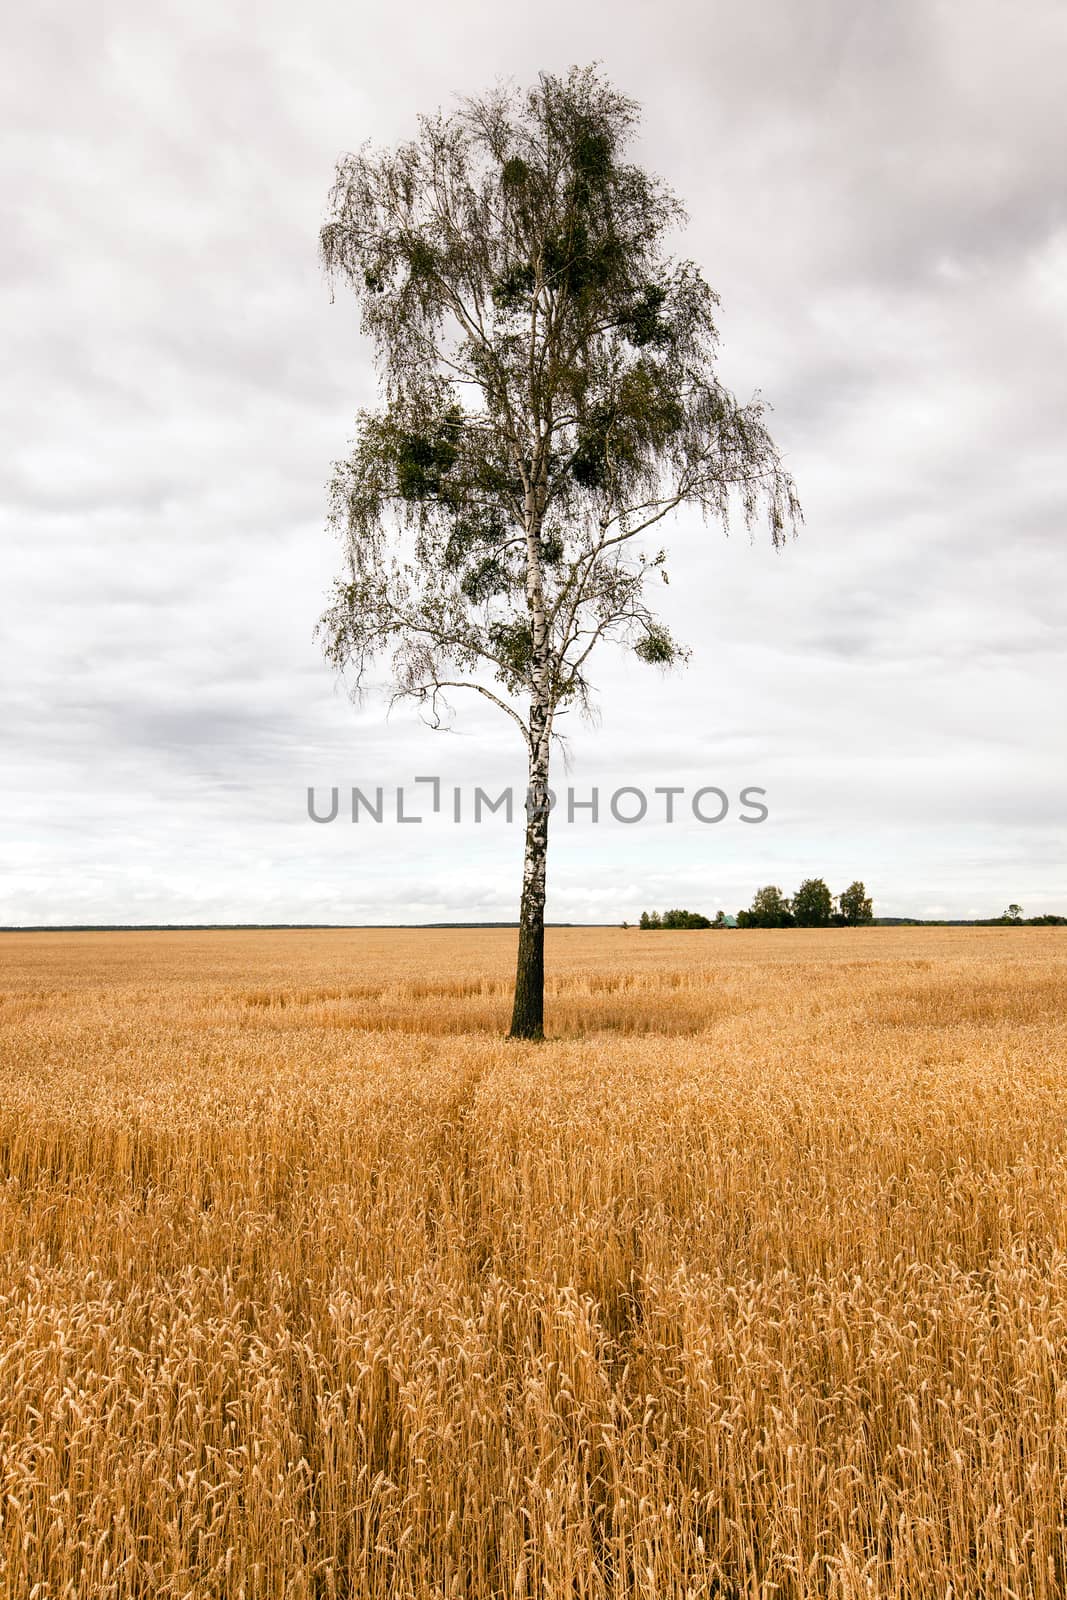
(813,904)
(855,905)
(769,909)
(550,394)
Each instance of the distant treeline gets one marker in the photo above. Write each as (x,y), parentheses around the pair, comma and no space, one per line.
(814,906)
(254,927)
(680,919)
(1046,921)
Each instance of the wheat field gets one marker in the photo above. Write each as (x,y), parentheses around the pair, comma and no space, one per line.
(750,1282)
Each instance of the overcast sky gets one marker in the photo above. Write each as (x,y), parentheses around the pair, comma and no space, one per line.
(876,192)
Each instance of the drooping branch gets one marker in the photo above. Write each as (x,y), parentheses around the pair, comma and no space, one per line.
(433,687)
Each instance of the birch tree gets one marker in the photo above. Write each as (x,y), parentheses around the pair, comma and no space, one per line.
(548,397)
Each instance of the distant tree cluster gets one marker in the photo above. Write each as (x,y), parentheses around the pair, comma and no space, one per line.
(1014,917)
(675,919)
(813,906)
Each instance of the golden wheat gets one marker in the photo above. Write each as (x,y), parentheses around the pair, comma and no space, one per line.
(752,1281)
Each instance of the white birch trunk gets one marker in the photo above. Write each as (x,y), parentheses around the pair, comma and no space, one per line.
(527,1020)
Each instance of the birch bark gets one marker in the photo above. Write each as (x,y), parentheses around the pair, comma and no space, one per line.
(527,1020)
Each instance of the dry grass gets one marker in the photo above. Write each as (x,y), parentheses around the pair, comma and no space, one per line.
(752,1282)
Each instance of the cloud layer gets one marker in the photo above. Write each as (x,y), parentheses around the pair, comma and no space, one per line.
(876,192)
